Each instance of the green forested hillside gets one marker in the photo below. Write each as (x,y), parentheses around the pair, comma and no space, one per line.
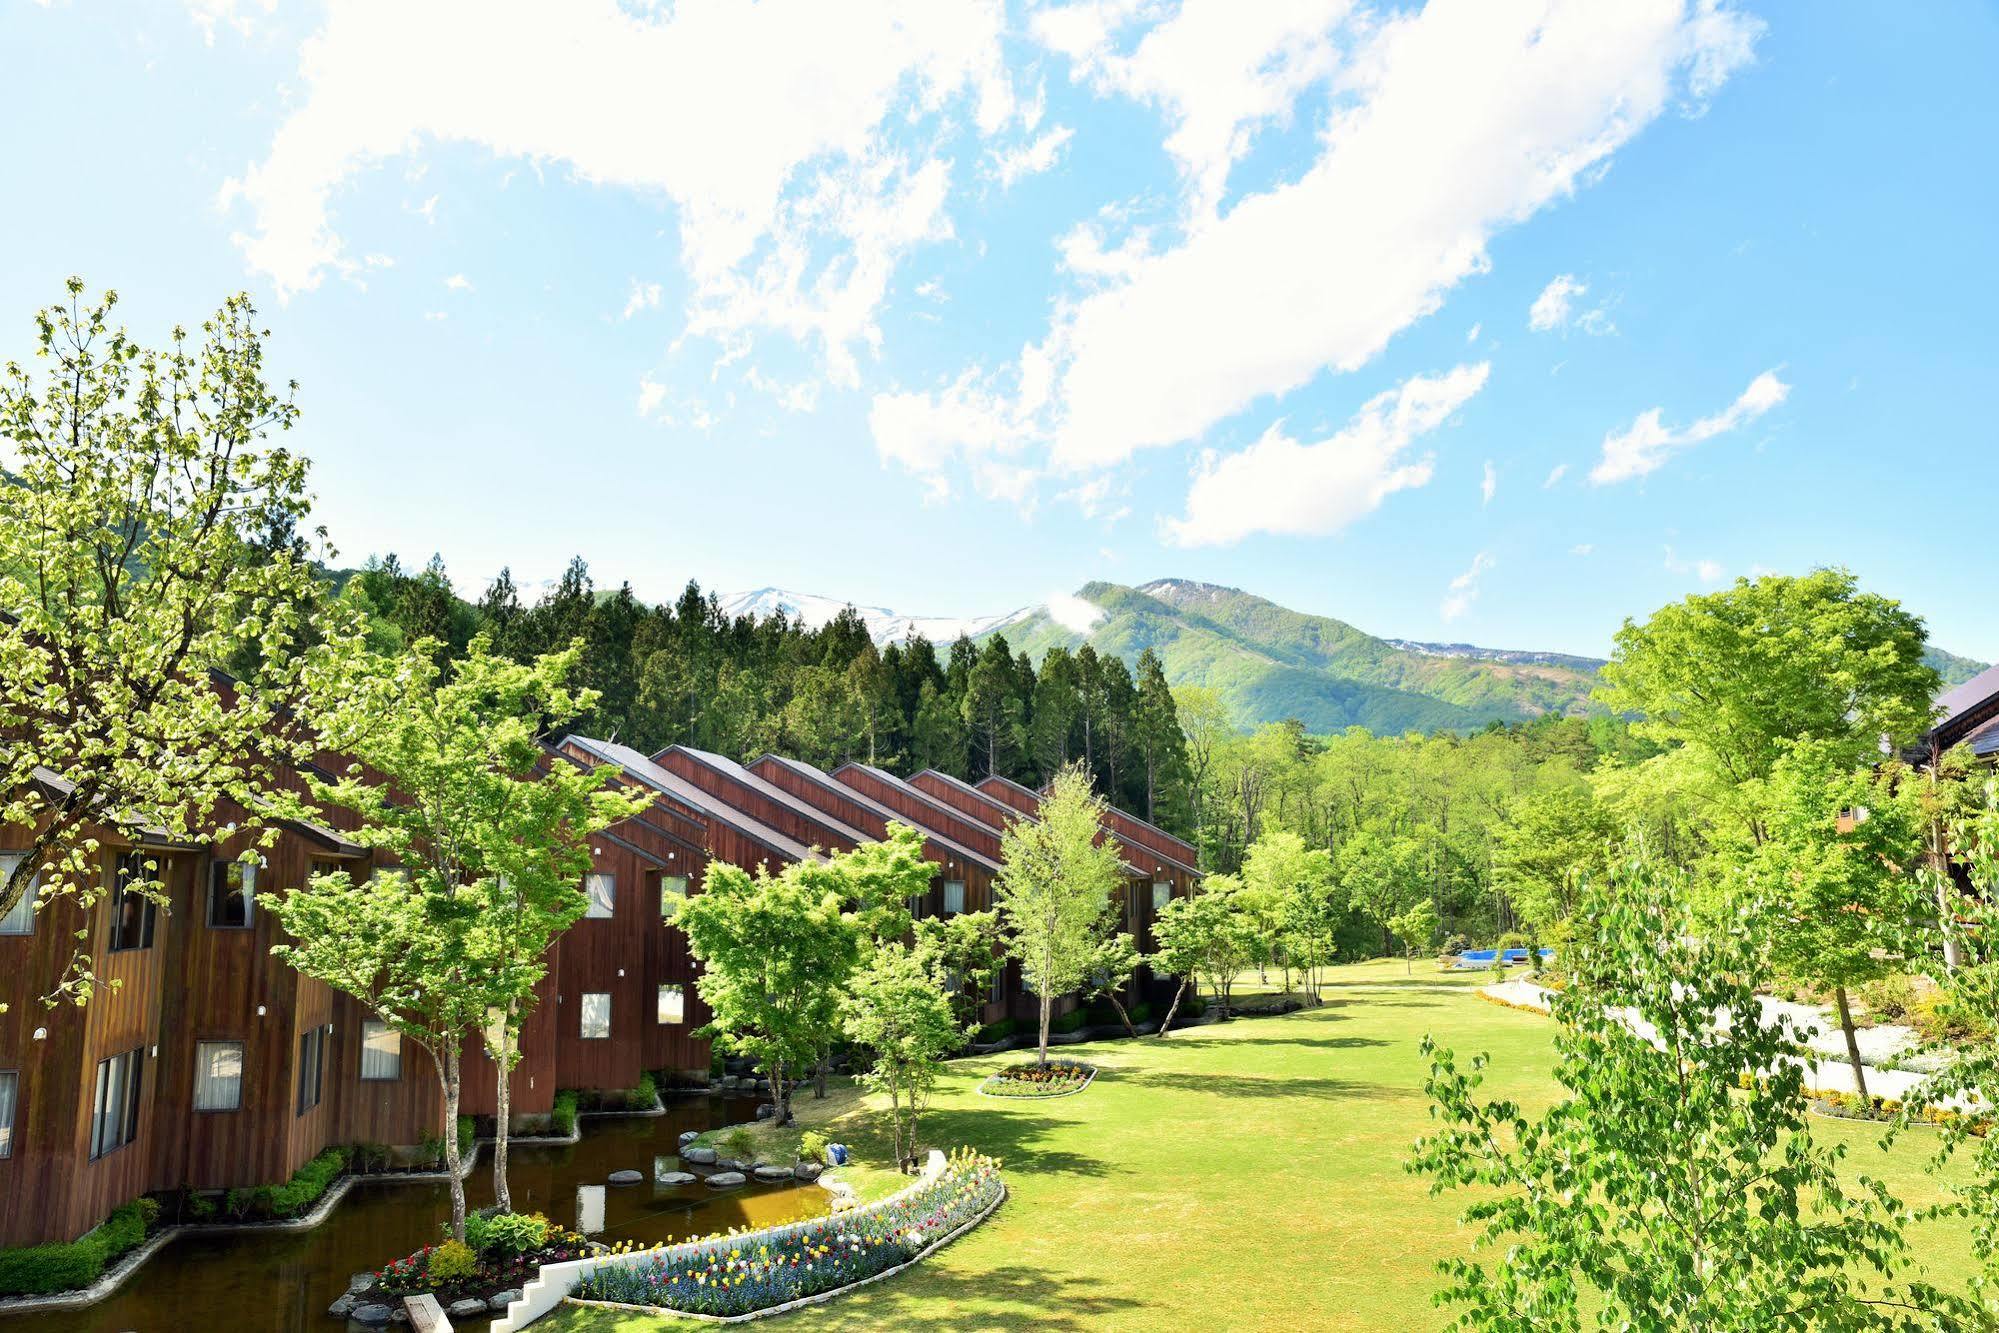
(1271,663)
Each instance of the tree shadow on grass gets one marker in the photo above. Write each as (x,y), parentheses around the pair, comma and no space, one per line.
(1243,1085)
(1006,1130)
(1322,1043)
(1030,1297)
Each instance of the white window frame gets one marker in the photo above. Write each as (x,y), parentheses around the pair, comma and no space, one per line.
(20,921)
(672,1003)
(601,888)
(594,1012)
(1162,894)
(381,1046)
(249,892)
(204,1076)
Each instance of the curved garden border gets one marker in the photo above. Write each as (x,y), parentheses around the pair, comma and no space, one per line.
(541,1295)
(121,1272)
(1039,1097)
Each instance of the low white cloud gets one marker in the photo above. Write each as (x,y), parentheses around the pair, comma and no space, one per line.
(1555,475)
(1100,498)
(236,15)
(1464,588)
(458,282)
(1019,162)
(1707,571)
(1488,485)
(1646,445)
(642,297)
(1471,335)
(1282,485)
(1073,613)
(1583,549)
(652,396)
(1558,308)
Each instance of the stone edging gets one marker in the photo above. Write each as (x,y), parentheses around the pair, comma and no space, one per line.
(664,1312)
(1036,1096)
(120,1272)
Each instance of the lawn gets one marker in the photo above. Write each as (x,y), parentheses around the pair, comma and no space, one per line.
(1241,1175)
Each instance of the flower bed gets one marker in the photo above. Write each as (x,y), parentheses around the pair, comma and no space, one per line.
(503,1252)
(807,1260)
(1849,1106)
(1057,1078)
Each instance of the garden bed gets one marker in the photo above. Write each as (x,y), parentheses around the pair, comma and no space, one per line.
(502,1252)
(761,1274)
(1057,1078)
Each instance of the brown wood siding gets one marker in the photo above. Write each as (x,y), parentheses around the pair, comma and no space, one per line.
(812,827)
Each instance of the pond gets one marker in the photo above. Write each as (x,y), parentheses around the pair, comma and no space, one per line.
(282,1282)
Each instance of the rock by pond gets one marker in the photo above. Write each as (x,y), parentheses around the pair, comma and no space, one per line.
(501,1300)
(699,1156)
(807,1170)
(374,1316)
(675,1178)
(770,1171)
(627,1177)
(688,1136)
(726,1180)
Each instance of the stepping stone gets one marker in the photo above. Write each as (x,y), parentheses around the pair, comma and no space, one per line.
(725,1180)
(731,1164)
(342,1307)
(627,1177)
(501,1300)
(688,1136)
(374,1316)
(768,1172)
(807,1170)
(466,1309)
(675,1178)
(698,1156)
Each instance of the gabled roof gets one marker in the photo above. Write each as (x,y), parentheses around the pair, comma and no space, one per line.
(685,793)
(769,790)
(1174,861)
(1008,813)
(858,797)
(1966,708)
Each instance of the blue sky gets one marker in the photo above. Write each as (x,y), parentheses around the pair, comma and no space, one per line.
(1476,321)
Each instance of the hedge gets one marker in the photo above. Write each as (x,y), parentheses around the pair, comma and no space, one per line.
(564,1116)
(37,1270)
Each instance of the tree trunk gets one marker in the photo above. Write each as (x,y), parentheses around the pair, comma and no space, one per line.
(1852,1043)
(503,1100)
(1174,1007)
(819,1075)
(1123,1017)
(451,1075)
(780,1095)
(1047,1003)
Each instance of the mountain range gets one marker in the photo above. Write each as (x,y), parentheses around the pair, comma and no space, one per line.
(1267,661)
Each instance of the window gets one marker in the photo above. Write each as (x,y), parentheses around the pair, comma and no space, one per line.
(954,896)
(114,1115)
(218,1075)
(1162,893)
(603,892)
(319,868)
(918,902)
(672,1004)
(672,893)
(999,982)
(381,1053)
(311,1067)
(10,1093)
(232,894)
(20,921)
(596,1019)
(132,912)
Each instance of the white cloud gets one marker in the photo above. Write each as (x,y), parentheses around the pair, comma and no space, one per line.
(458,282)
(1707,571)
(643,296)
(767,125)
(1099,498)
(1031,159)
(652,395)
(209,15)
(1464,588)
(1073,613)
(1555,476)
(427,210)
(1648,442)
(1454,122)
(1472,335)
(1555,308)
(1583,549)
(1282,485)
(1488,485)
(1219,70)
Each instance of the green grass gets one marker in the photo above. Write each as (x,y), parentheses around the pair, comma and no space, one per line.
(1243,1175)
(870,1171)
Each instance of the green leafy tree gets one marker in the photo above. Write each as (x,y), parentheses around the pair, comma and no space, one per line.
(1287,893)
(1203,938)
(1382,873)
(138,505)
(966,951)
(1740,674)
(1554,842)
(1416,928)
(896,1010)
(775,951)
(1676,1184)
(1206,726)
(1055,888)
(1159,744)
(1113,963)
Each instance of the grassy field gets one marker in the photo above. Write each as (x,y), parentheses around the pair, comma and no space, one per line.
(1245,1175)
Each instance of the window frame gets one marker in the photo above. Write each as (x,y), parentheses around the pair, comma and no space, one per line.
(25,909)
(609,900)
(148,908)
(583,1008)
(386,1030)
(670,895)
(311,1069)
(679,993)
(129,1091)
(242,1058)
(247,891)
(11,1104)
(1162,894)
(949,885)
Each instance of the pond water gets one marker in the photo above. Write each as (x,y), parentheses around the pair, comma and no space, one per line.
(282,1282)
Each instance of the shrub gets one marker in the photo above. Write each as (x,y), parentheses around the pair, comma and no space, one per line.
(1887,999)
(998,1031)
(367,1157)
(452,1261)
(740,1143)
(564,1116)
(645,1094)
(812,1146)
(38,1270)
(305,1187)
(1070,1021)
(513,1233)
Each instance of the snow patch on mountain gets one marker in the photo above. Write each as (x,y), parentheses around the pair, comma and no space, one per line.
(885,626)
